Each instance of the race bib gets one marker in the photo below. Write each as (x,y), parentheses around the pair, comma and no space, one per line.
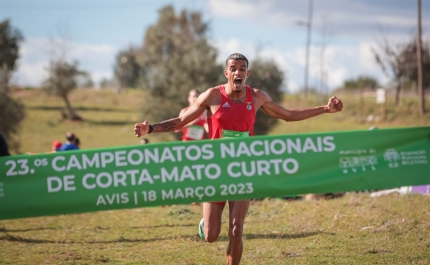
(195,132)
(234,134)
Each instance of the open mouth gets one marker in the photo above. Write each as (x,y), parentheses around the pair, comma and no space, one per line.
(238,81)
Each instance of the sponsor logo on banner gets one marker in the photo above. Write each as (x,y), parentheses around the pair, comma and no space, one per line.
(357,160)
(392,156)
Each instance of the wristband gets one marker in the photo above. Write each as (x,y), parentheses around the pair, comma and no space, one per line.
(151,128)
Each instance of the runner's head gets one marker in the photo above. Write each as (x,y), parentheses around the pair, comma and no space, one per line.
(236,71)
(236,56)
(70,136)
(192,96)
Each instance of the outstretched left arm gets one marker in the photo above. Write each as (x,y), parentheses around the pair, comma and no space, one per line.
(274,110)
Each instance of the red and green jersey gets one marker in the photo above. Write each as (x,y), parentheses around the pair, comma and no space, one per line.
(238,117)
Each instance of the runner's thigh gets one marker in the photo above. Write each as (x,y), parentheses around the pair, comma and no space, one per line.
(212,213)
(238,210)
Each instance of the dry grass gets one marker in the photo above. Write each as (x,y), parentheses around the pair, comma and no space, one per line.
(354,229)
(109,118)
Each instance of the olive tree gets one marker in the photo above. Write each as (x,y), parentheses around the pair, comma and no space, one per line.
(11,110)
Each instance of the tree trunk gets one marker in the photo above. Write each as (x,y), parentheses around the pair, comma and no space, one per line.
(70,112)
(398,87)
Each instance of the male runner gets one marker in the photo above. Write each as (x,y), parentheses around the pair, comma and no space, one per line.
(195,130)
(231,108)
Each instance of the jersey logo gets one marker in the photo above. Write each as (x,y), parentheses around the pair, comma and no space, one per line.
(226,105)
(249,105)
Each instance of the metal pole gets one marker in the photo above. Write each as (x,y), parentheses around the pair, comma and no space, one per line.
(308,44)
(420,63)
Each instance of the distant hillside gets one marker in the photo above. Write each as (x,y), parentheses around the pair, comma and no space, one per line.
(109,118)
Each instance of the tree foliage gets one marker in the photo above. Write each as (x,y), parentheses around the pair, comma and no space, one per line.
(409,54)
(10,39)
(360,82)
(398,62)
(175,58)
(11,111)
(62,80)
(127,69)
(266,76)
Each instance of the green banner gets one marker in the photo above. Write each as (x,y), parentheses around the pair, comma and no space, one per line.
(219,170)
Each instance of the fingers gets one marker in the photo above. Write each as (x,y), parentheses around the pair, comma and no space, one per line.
(338,106)
(139,129)
(336,103)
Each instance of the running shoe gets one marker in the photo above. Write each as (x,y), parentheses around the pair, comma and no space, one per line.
(202,228)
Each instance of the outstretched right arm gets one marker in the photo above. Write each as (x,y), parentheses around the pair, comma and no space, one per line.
(178,123)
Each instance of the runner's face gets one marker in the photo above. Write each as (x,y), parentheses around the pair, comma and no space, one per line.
(236,72)
(192,97)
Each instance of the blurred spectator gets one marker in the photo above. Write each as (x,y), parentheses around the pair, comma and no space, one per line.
(4,150)
(56,145)
(72,142)
(196,129)
(78,143)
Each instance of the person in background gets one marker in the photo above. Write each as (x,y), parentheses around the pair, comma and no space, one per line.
(4,150)
(70,144)
(56,145)
(78,143)
(195,130)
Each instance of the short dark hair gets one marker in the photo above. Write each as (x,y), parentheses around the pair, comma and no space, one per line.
(194,90)
(237,56)
(70,136)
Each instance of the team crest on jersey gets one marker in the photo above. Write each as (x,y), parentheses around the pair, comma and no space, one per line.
(249,105)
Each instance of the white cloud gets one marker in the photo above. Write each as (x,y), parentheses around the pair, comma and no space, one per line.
(32,62)
(227,47)
(353,18)
(341,62)
(35,55)
(351,29)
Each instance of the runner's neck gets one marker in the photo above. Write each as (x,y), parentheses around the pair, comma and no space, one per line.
(235,96)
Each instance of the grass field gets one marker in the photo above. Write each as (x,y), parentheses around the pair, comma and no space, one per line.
(109,118)
(353,229)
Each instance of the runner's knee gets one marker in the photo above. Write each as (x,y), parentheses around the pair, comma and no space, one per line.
(211,235)
(236,229)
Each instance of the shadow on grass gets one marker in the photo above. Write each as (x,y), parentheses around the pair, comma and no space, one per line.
(148,226)
(11,238)
(285,236)
(94,122)
(106,122)
(96,228)
(60,108)
(26,230)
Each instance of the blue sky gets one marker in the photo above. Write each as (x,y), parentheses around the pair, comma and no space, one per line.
(96,30)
